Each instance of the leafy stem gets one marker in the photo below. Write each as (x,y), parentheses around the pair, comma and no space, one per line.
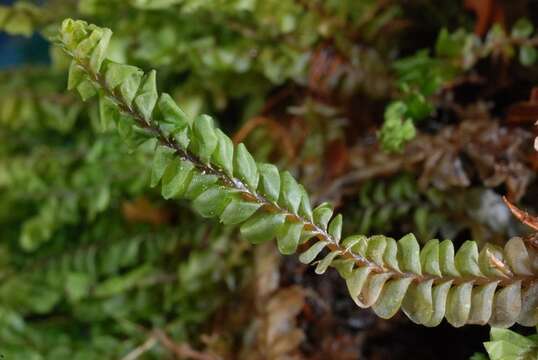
(197,161)
(270,206)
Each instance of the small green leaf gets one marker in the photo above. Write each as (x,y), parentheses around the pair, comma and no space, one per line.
(212,201)
(466,259)
(199,183)
(313,251)
(125,128)
(76,75)
(117,74)
(238,211)
(86,90)
(324,264)
(172,114)
(270,181)
(291,194)
(262,227)
(176,178)
(344,267)
(147,95)
(109,113)
(523,28)
(429,258)
(162,158)
(288,237)
(245,167)
(397,128)
(408,254)
(19,24)
(182,136)
(305,208)
(335,228)
(391,297)
(355,283)
(86,46)
(129,87)
(376,249)
(458,304)
(99,52)
(322,214)
(418,106)
(204,138)
(503,350)
(507,305)
(390,256)
(446,258)
(224,154)
(449,44)
(77,285)
(498,334)
(527,55)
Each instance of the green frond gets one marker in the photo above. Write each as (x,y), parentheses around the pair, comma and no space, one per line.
(495,285)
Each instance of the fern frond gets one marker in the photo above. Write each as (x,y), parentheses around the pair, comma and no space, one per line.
(197,161)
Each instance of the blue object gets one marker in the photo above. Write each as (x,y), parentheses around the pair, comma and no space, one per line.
(20,50)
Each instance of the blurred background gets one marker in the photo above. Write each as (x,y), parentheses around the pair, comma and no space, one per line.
(409,116)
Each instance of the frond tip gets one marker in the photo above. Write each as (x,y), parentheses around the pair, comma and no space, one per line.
(195,160)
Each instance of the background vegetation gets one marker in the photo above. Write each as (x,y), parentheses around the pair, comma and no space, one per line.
(413,116)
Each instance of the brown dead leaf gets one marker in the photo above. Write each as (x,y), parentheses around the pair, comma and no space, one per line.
(497,263)
(524,112)
(326,64)
(282,334)
(475,149)
(523,216)
(273,332)
(527,219)
(141,210)
(279,134)
(488,12)
(337,158)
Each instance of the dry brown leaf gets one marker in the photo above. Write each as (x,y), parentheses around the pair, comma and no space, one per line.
(488,12)
(524,112)
(141,210)
(337,158)
(273,334)
(279,134)
(473,149)
(523,216)
(326,64)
